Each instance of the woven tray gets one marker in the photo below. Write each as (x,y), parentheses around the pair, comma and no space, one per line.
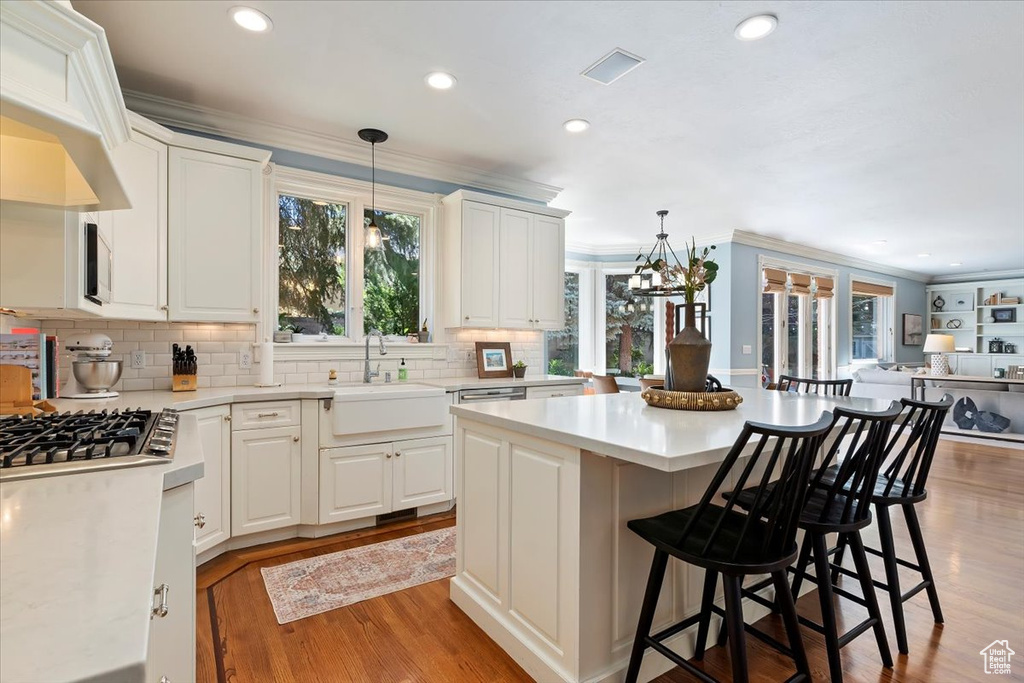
(727,399)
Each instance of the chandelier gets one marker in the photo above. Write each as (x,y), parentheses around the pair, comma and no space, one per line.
(648,279)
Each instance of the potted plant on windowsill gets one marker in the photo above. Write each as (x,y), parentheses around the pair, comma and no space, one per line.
(519,369)
(285,332)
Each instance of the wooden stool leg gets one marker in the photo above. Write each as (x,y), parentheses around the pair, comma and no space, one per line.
(710,583)
(860,560)
(650,604)
(784,601)
(838,558)
(892,576)
(828,607)
(917,538)
(801,565)
(734,626)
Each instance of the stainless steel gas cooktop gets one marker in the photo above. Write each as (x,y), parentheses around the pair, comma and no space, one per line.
(70,443)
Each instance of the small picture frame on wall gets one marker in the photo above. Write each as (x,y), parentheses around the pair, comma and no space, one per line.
(493,359)
(913,329)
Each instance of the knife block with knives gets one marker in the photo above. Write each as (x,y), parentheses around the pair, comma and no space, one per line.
(184,369)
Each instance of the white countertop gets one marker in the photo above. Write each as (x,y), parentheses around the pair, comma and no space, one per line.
(203,398)
(622,426)
(77,568)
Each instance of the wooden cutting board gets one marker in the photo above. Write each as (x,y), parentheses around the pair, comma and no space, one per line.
(15,385)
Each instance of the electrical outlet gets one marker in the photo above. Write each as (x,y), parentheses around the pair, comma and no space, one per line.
(245,359)
(470,355)
(138,359)
(747,349)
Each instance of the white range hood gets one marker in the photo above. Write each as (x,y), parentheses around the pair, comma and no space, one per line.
(61,110)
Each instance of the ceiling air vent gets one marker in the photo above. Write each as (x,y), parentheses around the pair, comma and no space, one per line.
(613,66)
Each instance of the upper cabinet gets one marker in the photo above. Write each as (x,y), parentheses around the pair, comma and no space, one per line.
(504,263)
(138,236)
(214,236)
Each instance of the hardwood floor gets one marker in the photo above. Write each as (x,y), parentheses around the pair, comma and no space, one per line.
(973,524)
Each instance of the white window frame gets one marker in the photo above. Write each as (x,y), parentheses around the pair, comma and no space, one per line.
(600,318)
(357,195)
(781,338)
(585,351)
(887,314)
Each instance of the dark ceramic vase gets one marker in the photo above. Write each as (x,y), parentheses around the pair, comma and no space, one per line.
(689,355)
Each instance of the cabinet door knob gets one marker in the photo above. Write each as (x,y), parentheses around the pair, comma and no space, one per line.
(295,439)
(387,455)
(161,609)
(200,520)
(164,307)
(165,679)
(467,317)
(398,454)
(227,418)
(255,310)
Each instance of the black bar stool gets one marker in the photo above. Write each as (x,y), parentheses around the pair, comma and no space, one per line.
(823,387)
(841,506)
(727,541)
(909,458)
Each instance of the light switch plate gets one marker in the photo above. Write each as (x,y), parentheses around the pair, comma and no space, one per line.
(138,359)
(747,349)
(245,359)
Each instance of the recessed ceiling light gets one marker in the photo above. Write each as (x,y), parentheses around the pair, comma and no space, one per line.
(923,255)
(251,19)
(439,80)
(880,242)
(576,125)
(956,264)
(756,27)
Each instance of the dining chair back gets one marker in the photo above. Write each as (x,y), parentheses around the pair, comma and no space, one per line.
(823,387)
(605,384)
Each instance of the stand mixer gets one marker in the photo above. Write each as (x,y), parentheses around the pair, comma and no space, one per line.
(93,372)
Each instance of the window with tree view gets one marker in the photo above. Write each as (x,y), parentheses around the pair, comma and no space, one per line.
(311,265)
(391,274)
(629,325)
(563,346)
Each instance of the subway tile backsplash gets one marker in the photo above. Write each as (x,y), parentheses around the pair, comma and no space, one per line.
(217,348)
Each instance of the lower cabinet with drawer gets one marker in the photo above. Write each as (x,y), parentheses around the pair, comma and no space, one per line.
(266,466)
(363,481)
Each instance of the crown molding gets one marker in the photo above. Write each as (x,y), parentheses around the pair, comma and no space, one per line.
(1012,274)
(633,248)
(217,122)
(751,239)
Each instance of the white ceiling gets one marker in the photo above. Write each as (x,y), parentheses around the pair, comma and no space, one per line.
(853,122)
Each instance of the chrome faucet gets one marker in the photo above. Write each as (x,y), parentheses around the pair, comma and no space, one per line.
(368,375)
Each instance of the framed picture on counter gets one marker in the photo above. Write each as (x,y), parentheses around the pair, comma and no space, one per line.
(493,359)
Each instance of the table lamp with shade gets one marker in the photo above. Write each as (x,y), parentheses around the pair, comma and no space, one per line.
(939,345)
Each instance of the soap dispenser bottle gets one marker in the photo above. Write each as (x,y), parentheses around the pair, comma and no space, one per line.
(403,372)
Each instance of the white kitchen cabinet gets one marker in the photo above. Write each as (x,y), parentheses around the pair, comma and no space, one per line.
(265,479)
(213,492)
(138,236)
(171,655)
(504,263)
(554,391)
(214,236)
(547,272)
(364,481)
(422,473)
(479,265)
(355,482)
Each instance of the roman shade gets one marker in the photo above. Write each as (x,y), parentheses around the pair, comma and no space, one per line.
(823,287)
(871,289)
(774,281)
(801,284)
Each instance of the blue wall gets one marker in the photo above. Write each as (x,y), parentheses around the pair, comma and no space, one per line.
(746,290)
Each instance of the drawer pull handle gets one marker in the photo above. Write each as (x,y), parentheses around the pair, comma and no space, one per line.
(274,414)
(200,520)
(161,609)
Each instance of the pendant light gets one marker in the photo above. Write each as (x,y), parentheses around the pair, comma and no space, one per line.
(373,136)
(650,283)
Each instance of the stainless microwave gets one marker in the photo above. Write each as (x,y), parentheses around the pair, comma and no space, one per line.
(97,266)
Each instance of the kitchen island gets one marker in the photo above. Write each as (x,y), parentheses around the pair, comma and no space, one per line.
(545,564)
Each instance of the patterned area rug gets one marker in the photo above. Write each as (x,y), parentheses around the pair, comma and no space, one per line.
(319,584)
